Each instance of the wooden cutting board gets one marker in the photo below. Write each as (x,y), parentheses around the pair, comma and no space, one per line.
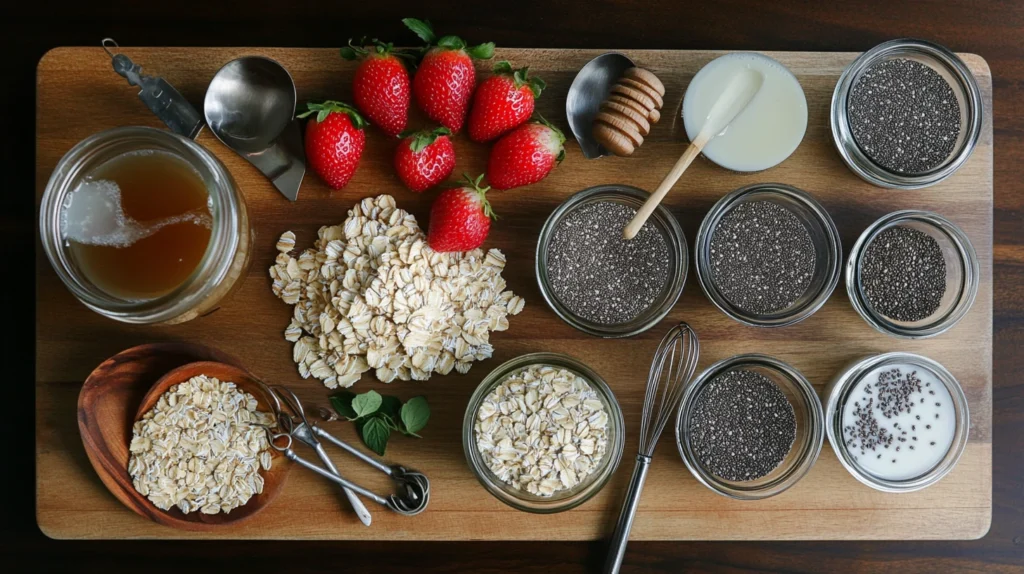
(79,95)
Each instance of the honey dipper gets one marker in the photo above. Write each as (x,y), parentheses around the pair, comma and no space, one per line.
(626,115)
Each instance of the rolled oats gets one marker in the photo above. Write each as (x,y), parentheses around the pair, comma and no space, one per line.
(371,294)
(200,448)
(543,430)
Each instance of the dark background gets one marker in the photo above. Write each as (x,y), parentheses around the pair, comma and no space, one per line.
(994,29)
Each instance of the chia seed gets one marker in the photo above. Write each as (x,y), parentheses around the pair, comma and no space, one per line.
(903,274)
(904,116)
(762,257)
(598,275)
(743,426)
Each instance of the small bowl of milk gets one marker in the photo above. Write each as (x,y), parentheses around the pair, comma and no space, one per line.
(767,131)
(898,422)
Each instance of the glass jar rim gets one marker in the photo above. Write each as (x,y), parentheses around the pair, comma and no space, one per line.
(968,260)
(838,390)
(215,262)
(842,136)
(721,208)
(524,501)
(815,436)
(674,236)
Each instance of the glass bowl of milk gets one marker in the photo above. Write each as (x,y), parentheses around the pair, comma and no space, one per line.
(765,133)
(898,422)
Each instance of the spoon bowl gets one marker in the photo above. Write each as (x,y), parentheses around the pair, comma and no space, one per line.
(591,86)
(249,103)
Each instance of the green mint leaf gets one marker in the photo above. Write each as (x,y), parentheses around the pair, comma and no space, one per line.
(342,403)
(375,433)
(415,414)
(366,403)
(484,51)
(390,406)
(421,28)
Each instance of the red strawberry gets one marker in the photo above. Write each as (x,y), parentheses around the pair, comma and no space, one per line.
(425,159)
(334,141)
(444,81)
(526,155)
(502,102)
(460,218)
(381,85)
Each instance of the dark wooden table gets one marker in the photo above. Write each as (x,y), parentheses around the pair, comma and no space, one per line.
(993,29)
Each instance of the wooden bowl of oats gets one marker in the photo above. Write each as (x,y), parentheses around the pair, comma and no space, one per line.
(192,456)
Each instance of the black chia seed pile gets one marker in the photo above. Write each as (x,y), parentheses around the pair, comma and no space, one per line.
(903,274)
(762,257)
(897,393)
(597,274)
(904,116)
(742,426)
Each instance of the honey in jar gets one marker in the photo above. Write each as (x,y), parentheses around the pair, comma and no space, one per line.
(139,225)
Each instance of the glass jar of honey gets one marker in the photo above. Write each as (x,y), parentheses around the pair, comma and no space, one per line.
(164,235)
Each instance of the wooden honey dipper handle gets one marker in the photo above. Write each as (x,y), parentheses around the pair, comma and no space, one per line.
(738,93)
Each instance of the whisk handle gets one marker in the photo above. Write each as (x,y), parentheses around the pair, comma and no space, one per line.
(617,549)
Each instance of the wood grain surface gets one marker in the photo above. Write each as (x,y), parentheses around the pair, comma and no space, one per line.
(991,28)
(827,504)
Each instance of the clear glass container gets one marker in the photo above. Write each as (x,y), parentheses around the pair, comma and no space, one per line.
(562,500)
(666,224)
(222,266)
(952,69)
(810,430)
(962,275)
(824,236)
(838,392)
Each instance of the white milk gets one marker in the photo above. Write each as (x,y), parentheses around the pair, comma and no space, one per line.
(762,135)
(910,462)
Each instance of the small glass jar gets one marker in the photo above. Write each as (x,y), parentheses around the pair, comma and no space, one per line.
(824,236)
(952,69)
(565,499)
(665,223)
(962,275)
(802,455)
(838,392)
(221,267)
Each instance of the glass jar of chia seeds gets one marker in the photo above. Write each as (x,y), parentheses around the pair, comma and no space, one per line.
(768,255)
(858,453)
(807,440)
(579,303)
(932,88)
(899,291)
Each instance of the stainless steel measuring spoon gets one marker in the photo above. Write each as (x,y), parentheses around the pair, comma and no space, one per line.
(414,486)
(250,107)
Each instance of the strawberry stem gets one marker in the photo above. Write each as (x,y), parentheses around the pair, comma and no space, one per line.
(423,138)
(481,193)
(329,107)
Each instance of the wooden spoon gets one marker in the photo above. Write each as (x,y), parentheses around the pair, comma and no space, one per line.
(734,99)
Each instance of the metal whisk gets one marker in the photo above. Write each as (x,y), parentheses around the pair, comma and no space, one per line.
(672,367)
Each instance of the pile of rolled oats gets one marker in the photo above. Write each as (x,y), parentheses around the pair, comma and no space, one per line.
(371,294)
(200,448)
(542,430)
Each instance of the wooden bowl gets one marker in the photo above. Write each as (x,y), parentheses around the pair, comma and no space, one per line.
(107,411)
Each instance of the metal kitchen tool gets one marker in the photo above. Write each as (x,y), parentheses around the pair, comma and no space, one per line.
(588,90)
(159,96)
(673,366)
(250,107)
(414,487)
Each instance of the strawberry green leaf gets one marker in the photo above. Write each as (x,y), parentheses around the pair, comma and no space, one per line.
(451,43)
(561,136)
(503,67)
(330,106)
(484,51)
(423,138)
(537,86)
(349,53)
(421,28)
